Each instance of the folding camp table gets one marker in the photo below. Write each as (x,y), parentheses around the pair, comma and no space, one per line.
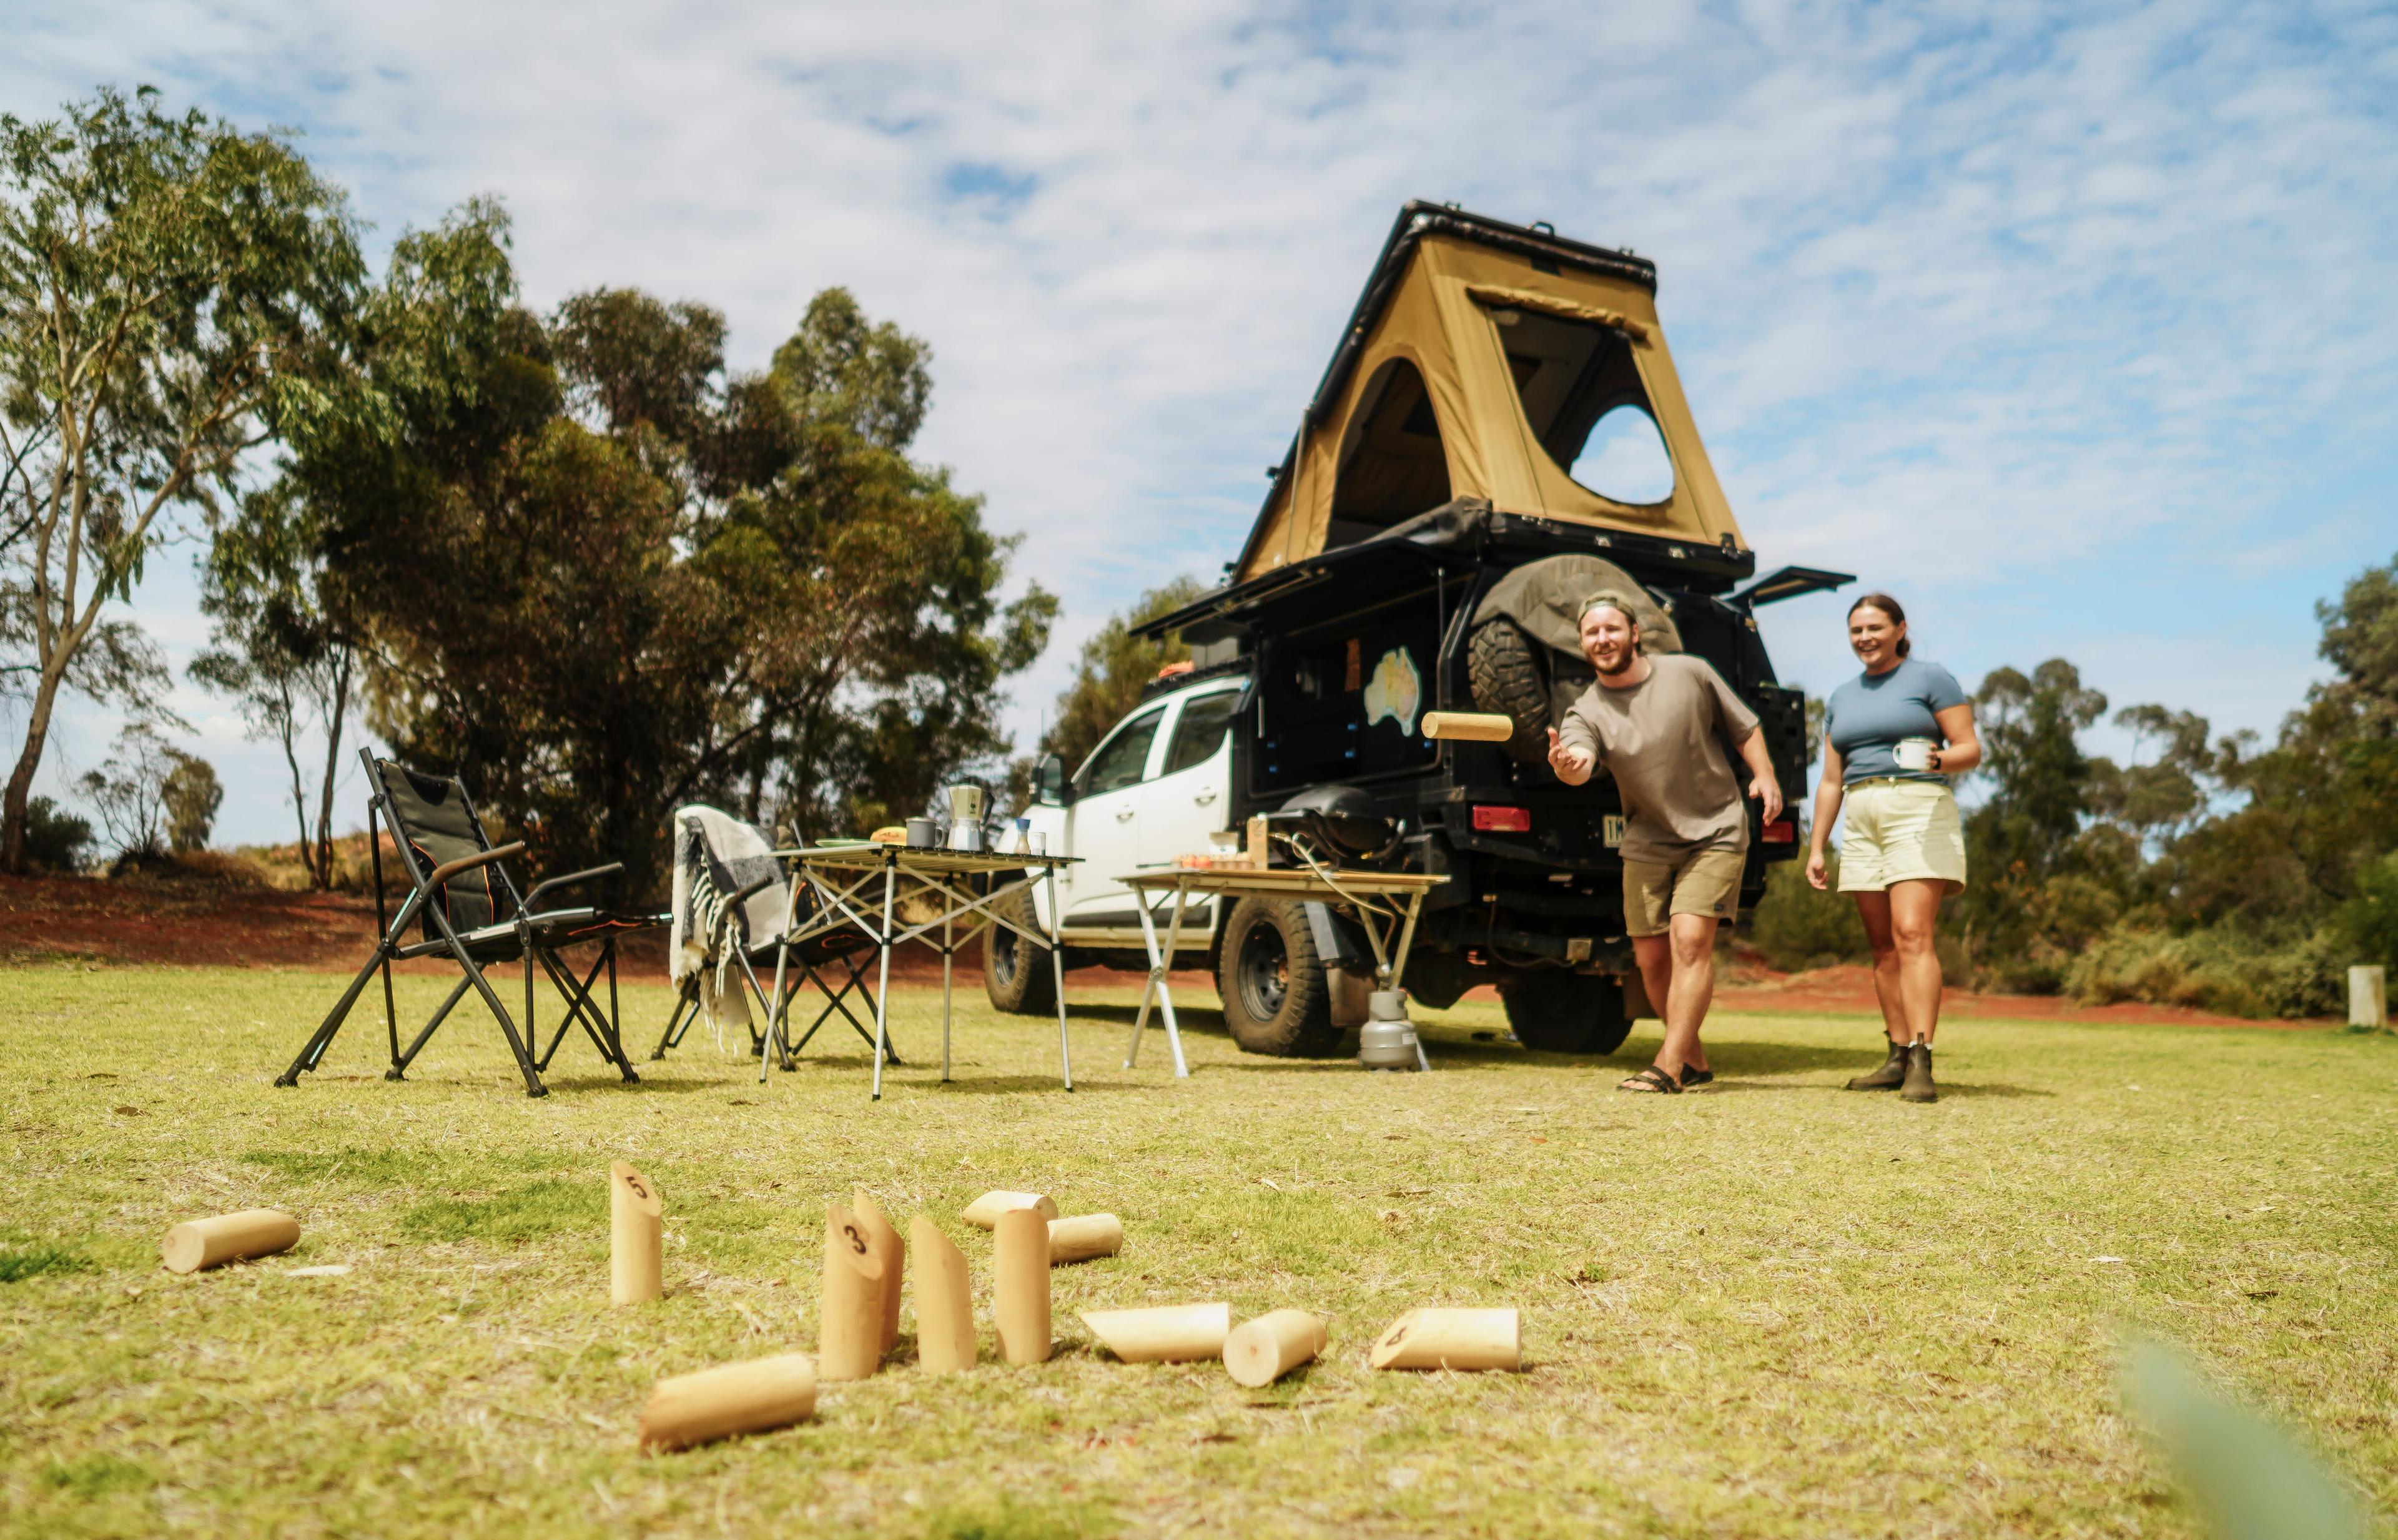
(1372,897)
(846,875)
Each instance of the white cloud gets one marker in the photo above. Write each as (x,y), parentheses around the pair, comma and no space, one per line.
(1964,298)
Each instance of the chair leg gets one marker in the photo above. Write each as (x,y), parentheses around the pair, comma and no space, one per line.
(313,1051)
(866,990)
(581,1010)
(687,1000)
(400,1062)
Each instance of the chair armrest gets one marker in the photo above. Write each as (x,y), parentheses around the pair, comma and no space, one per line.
(448,869)
(571,878)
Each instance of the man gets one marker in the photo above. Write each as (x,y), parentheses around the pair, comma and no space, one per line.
(1658,725)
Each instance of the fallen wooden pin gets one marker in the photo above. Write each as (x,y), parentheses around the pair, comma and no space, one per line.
(202,1243)
(636,1237)
(891,1254)
(1469,726)
(945,1326)
(1021,1284)
(1165,1333)
(1451,1339)
(1259,1352)
(1084,1236)
(984,1211)
(737,1397)
(849,1334)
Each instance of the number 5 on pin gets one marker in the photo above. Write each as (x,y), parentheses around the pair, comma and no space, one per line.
(637,1226)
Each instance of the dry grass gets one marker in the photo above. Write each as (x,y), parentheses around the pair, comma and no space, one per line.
(1780,1308)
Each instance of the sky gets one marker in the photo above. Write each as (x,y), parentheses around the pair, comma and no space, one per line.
(2071,325)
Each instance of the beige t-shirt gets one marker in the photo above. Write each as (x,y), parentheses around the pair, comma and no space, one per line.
(1661,740)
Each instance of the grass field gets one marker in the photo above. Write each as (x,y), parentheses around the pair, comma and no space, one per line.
(1777,1308)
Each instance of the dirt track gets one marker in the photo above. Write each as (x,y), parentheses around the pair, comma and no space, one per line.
(193,923)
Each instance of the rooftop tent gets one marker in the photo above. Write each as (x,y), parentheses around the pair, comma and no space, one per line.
(1504,365)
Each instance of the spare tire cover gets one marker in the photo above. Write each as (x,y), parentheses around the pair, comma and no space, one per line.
(1545,599)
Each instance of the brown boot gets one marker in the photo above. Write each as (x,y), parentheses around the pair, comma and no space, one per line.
(1918,1086)
(1887,1078)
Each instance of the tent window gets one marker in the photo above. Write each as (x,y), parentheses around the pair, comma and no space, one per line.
(1393,466)
(1583,400)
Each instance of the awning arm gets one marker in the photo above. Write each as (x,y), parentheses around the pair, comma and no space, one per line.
(1789,583)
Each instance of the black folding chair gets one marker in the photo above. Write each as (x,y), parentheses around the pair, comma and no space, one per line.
(466,906)
(756,911)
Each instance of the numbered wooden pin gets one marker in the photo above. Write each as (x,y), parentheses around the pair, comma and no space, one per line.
(1164,1333)
(1021,1284)
(945,1324)
(1084,1236)
(737,1397)
(1451,1339)
(849,1337)
(1469,726)
(984,1211)
(202,1243)
(636,1235)
(1259,1352)
(892,1253)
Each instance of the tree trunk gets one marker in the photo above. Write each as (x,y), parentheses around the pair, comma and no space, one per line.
(21,781)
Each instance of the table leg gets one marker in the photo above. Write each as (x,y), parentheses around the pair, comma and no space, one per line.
(1156,981)
(1399,968)
(883,993)
(1058,966)
(1165,991)
(946,950)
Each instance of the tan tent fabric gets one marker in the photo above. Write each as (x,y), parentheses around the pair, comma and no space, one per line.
(1438,342)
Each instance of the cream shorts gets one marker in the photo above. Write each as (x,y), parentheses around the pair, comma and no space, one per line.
(1900,831)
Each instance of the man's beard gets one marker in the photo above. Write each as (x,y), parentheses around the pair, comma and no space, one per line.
(1624,661)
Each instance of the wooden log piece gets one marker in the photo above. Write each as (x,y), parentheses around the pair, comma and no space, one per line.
(1469,726)
(1164,1333)
(1021,1284)
(1084,1236)
(1259,1352)
(637,1235)
(201,1243)
(984,1211)
(945,1324)
(891,1253)
(734,1398)
(1451,1339)
(849,1338)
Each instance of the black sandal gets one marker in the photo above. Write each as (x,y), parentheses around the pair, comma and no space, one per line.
(1696,1077)
(1651,1081)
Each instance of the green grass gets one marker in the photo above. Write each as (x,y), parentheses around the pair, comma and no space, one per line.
(1778,1308)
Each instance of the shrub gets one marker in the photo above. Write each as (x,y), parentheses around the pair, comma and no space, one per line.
(2218,969)
(1796,927)
(55,840)
(2367,922)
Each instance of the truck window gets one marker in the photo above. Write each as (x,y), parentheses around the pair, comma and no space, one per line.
(1201,730)
(1120,760)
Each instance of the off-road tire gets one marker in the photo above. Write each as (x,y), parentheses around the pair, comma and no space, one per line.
(1503,666)
(1016,973)
(1276,999)
(1555,1011)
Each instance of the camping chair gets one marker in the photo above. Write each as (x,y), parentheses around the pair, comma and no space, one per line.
(736,906)
(467,907)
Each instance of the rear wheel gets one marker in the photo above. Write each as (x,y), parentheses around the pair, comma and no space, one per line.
(1559,1012)
(1276,999)
(1016,973)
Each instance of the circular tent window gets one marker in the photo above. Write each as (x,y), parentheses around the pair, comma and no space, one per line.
(1623,459)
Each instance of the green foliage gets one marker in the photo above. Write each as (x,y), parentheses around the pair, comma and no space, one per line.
(1113,667)
(2247,1476)
(128,791)
(55,839)
(2367,922)
(190,795)
(1796,928)
(2223,968)
(20,1263)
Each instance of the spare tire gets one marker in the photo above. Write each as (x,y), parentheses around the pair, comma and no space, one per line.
(1509,675)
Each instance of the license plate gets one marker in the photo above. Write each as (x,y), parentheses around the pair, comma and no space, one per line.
(1611,829)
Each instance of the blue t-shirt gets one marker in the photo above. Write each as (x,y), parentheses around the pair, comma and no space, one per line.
(1866,717)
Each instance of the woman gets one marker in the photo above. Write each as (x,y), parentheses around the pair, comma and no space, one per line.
(1891,738)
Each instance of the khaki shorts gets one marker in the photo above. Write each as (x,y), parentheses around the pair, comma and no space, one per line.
(1705,882)
(1898,832)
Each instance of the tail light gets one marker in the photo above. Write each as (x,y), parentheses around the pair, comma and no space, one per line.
(1491,818)
(1782,831)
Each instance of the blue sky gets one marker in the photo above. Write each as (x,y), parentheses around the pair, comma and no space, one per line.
(2069,324)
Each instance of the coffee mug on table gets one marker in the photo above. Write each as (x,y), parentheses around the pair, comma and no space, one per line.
(923,834)
(1914,753)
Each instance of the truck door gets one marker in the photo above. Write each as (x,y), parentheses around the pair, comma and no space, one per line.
(1191,798)
(1104,827)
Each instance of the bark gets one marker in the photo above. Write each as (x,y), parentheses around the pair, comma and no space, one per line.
(21,781)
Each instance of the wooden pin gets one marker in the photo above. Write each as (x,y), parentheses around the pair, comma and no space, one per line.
(892,1253)
(636,1235)
(1084,1236)
(1451,1339)
(984,1211)
(849,1339)
(200,1243)
(1262,1351)
(1165,1333)
(1021,1284)
(734,1398)
(945,1324)
(1471,726)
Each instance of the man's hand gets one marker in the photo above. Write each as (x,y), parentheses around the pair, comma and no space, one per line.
(1768,791)
(1573,765)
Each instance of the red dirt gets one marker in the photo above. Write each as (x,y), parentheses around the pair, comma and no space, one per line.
(195,922)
